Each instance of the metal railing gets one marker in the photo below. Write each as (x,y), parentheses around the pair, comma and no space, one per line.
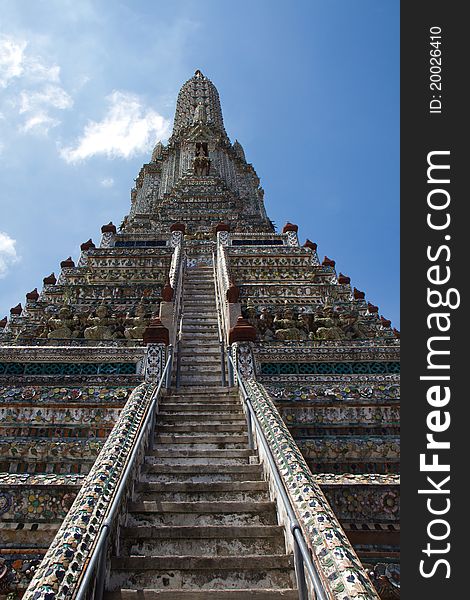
(302,558)
(178,323)
(220,318)
(96,568)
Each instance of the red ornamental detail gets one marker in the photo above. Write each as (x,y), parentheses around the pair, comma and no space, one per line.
(222,227)
(233,293)
(178,227)
(343,279)
(290,227)
(87,245)
(371,308)
(167,292)
(327,262)
(385,322)
(50,280)
(156,333)
(396,333)
(109,228)
(3,322)
(358,295)
(67,263)
(309,244)
(16,310)
(242,332)
(33,295)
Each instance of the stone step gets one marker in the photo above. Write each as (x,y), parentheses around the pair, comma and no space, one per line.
(204,496)
(204,320)
(198,508)
(198,428)
(193,390)
(167,407)
(187,367)
(206,594)
(198,354)
(188,450)
(191,418)
(209,380)
(230,395)
(195,348)
(219,439)
(202,541)
(211,486)
(215,462)
(200,326)
(198,572)
(178,518)
(200,335)
(243,471)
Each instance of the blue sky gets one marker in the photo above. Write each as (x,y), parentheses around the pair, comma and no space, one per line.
(309,88)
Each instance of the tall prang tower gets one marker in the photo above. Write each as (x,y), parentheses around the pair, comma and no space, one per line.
(136,367)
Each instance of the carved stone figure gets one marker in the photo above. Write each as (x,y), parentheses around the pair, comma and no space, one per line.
(62,326)
(100,328)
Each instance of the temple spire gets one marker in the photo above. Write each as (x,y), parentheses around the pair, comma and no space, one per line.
(198,101)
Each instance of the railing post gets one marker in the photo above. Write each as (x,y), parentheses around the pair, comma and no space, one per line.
(231,376)
(300,572)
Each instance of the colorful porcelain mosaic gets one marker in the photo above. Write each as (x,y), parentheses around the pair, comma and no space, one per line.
(338,564)
(68,554)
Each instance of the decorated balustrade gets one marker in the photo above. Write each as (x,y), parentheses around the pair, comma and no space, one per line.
(76,559)
(336,572)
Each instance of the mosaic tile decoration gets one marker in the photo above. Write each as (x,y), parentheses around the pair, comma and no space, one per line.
(14,368)
(337,562)
(67,557)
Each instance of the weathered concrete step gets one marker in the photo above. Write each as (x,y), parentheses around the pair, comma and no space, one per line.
(170,451)
(209,547)
(229,395)
(203,519)
(195,348)
(193,417)
(167,438)
(209,357)
(194,573)
(183,450)
(242,470)
(202,563)
(207,427)
(203,321)
(234,495)
(200,533)
(241,594)
(171,461)
(167,407)
(202,333)
(200,327)
(154,506)
(212,486)
(204,369)
(208,380)
(194,390)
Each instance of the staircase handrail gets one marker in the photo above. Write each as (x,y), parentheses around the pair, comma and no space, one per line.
(76,559)
(322,587)
(221,283)
(220,316)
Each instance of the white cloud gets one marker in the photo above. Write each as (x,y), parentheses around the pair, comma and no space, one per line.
(32,86)
(11,60)
(107,182)
(8,254)
(128,128)
(16,62)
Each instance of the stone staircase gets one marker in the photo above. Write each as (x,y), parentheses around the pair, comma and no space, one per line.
(202,524)
(200,362)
